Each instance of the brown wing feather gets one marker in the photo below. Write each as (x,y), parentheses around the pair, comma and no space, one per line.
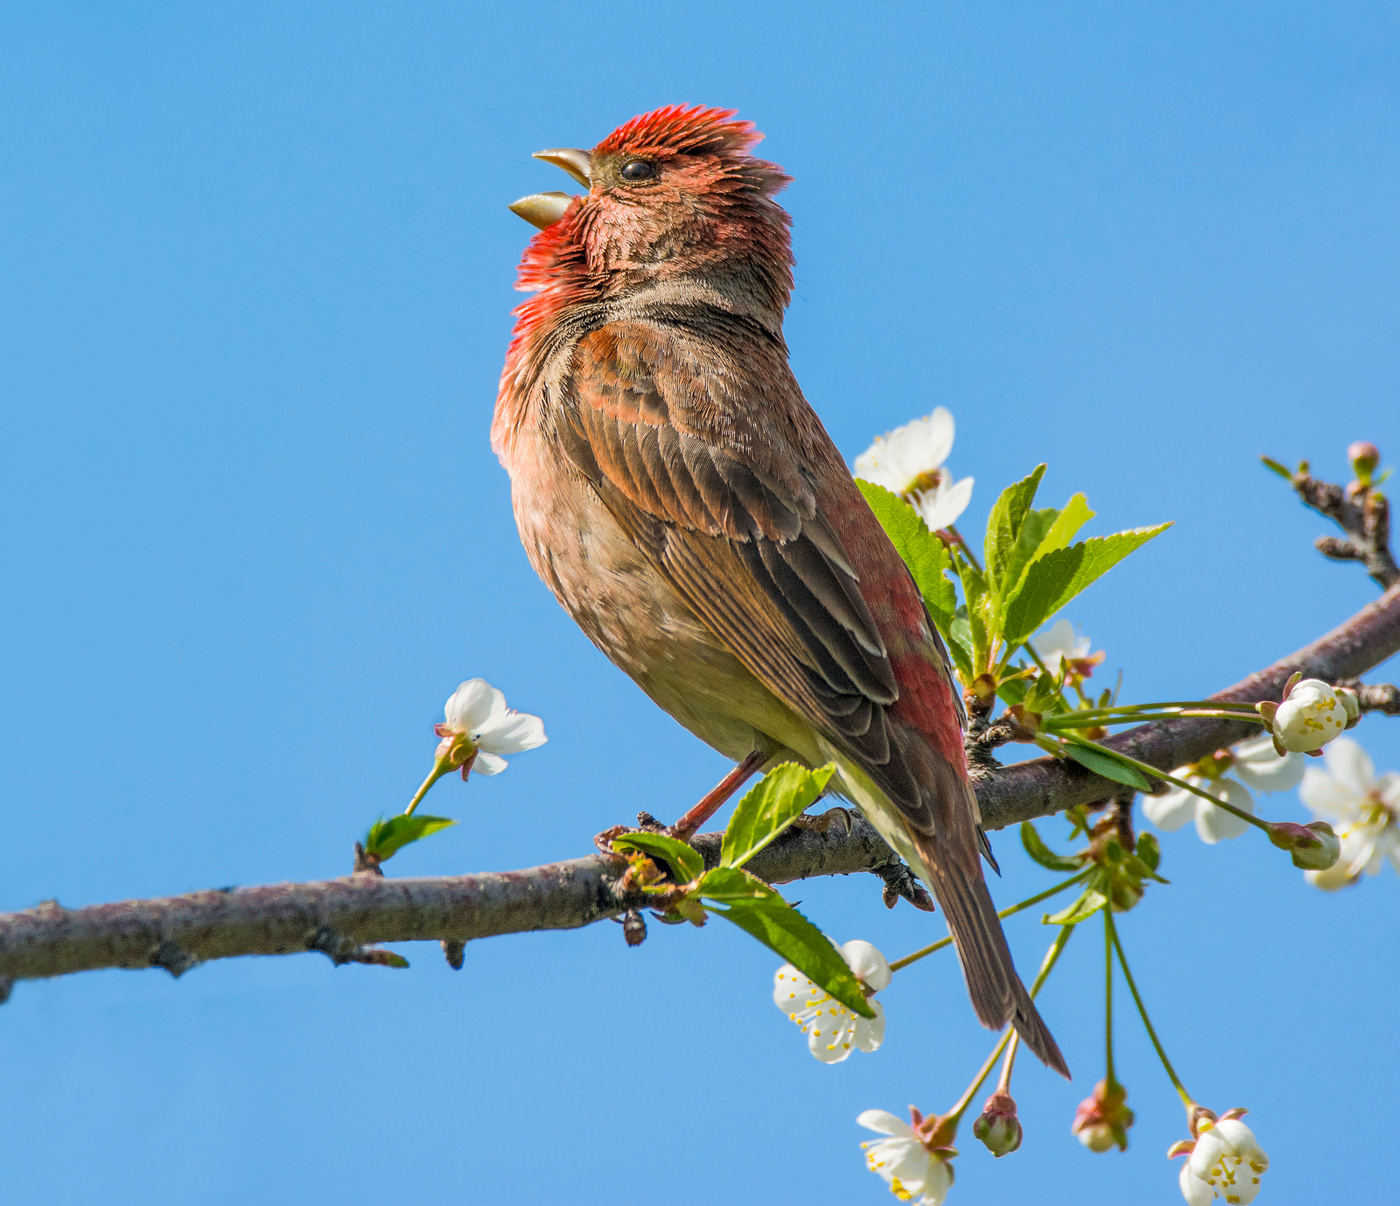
(745,547)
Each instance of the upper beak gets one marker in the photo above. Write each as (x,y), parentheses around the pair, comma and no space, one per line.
(579,164)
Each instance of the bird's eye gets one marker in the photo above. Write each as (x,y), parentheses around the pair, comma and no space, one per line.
(638,169)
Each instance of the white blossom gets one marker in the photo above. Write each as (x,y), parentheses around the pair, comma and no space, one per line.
(1058,647)
(477,712)
(1363,809)
(1226,1164)
(1254,763)
(913,1172)
(909,461)
(1310,716)
(833,1029)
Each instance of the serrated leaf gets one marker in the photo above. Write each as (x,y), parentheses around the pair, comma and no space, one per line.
(783,930)
(1034,530)
(386,838)
(1072,517)
(959,637)
(727,884)
(686,862)
(1108,766)
(975,610)
(1042,853)
(922,551)
(1004,526)
(1053,580)
(1012,691)
(1081,910)
(769,807)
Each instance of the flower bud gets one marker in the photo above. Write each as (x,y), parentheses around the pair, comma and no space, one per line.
(1309,717)
(1364,457)
(1351,704)
(1102,1120)
(997,1126)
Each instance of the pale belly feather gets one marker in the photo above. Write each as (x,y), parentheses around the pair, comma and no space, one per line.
(643,625)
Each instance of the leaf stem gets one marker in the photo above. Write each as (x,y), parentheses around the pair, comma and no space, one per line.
(966,548)
(1007,912)
(1142,1011)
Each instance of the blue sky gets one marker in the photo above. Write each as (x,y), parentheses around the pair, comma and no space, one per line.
(258,269)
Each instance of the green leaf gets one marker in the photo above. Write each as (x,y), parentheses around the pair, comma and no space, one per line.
(1149,849)
(1004,526)
(770,806)
(1270,463)
(686,862)
(1081,910)
(1075,515)
(975,612)
(1033,533)
(1053,580)
(784,930)
(728,884)
(922,551)
(959,637)
(1042,853)
(387,837)
(1012,691)
(1109,767)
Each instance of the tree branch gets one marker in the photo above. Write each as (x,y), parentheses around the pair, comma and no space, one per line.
(343,918)
(1363,514)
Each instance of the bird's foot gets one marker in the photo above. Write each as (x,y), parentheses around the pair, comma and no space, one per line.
(900,883)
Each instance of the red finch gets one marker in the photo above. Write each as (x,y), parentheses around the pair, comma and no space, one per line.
(684,503)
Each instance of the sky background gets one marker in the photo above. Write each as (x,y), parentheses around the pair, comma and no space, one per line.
(257,273)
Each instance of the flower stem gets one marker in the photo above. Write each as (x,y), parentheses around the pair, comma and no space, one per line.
(1142,1011)
(440,768)
(1004,1080)
(1007,912)
(1088,718)
(1148,769)
(1108,994)
(1046,965)
(966,548)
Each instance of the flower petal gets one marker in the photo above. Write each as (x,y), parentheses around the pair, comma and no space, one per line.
(867,963)
(513,733)
(884,1123)
(473,704)
(1054,643)
(1258,765)
(1171,810)
(1193,1189)
(941,506)
(488,763)
(1350,765)
(870,1032)
(1215,824)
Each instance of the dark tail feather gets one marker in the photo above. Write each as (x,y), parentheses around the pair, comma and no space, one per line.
(998,996)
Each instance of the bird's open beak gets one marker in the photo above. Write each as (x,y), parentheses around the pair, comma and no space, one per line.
(541,209)
(579,164)
(545,209)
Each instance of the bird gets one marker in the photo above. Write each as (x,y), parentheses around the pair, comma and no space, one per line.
(680,497)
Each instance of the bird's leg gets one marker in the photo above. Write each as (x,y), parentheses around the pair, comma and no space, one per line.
(709,804)
(715,798)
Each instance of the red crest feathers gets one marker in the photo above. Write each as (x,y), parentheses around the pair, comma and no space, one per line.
(678,129)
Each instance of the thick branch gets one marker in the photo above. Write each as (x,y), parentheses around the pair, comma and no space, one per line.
(341,917)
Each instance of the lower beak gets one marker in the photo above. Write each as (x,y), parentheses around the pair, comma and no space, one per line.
(541,209)
(579,164)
